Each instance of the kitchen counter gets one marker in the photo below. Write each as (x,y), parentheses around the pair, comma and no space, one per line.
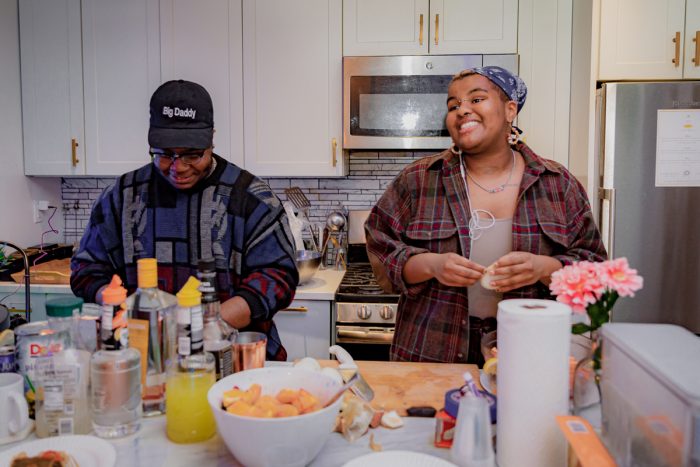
(396,385)
(321,287)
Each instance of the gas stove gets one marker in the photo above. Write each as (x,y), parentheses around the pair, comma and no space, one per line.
(360,299)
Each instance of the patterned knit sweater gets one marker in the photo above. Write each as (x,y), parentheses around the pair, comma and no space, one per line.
(231,215)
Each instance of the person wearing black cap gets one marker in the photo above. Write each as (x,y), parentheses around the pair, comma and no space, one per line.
(187,204)
(487,219)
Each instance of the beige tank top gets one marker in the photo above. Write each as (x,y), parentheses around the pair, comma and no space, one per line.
(487,248)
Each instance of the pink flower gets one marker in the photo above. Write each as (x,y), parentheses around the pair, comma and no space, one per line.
(617,275)
(577,285)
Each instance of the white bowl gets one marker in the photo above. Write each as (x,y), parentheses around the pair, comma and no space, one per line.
(288,441)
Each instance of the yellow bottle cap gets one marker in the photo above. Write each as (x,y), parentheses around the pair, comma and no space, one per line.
(114,294)
(189,295)
(147,270)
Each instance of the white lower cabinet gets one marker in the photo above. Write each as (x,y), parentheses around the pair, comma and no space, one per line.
(305,328)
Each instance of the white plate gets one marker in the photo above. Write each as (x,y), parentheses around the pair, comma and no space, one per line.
(398,459)
(486,383)
(86,450)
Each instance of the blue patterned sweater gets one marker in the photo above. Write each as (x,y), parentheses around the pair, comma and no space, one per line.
(231,216)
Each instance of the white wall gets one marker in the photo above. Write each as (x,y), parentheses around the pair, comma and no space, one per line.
(16,190)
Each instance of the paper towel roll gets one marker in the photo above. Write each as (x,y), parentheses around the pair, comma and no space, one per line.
(533,382)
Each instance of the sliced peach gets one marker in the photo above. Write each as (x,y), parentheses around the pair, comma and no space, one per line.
(287,396)
(240,408)
(268,403)
(287,410)
(229,397)
(252,393)
(307,401)
(261,412)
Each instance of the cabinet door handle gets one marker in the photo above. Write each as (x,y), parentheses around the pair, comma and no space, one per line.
(696,39)
(677,40)
(437,28)
(73,152)
(420,34)
(334,148)
(300,309)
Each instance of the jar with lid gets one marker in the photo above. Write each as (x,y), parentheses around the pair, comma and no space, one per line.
(63,314)
(115,371)
(189,418)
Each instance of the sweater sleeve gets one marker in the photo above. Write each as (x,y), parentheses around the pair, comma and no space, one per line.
(269,273)
(99,255)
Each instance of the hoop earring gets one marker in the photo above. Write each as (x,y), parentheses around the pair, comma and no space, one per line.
(514,135)
(455,150)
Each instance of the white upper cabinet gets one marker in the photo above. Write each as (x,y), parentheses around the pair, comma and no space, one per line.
(691,64)
(644,39)
(121,69)
(420,27)
(204,45)
(52,87)
(88,71)
(292,82)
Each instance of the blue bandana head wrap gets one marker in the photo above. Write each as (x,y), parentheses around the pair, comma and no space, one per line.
(511,84)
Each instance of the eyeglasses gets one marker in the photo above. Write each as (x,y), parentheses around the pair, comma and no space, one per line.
(188,157)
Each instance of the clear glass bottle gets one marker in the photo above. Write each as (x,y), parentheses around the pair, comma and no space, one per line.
(190,323)
(218,334)
(63,378)
(152,333)
(115,371)
(189,418)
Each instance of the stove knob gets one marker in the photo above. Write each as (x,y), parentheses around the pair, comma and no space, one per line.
(363,312)
(386,312)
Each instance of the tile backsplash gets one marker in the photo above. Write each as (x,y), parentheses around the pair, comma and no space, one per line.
(369,174)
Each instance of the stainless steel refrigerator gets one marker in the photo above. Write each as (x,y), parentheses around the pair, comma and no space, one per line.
(649,194)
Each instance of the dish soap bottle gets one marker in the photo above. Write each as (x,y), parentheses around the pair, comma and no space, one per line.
(115,370)
(152,331)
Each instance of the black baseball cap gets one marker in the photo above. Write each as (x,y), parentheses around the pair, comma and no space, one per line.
(182,116)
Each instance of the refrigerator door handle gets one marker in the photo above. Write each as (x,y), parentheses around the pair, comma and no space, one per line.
(607,216)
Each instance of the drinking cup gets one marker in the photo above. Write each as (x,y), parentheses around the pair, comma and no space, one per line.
(14,411)
(249,351)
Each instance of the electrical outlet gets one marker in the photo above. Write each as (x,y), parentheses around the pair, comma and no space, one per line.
(37,208)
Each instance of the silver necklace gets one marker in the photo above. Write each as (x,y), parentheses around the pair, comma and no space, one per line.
(497,188)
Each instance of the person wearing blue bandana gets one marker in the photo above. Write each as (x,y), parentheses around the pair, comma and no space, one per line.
(486,219)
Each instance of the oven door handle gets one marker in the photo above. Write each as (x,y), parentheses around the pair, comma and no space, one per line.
(365,335)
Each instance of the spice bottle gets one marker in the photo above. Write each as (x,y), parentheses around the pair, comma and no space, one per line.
(190,323)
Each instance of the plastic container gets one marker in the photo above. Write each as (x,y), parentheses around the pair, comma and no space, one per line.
(189,418)
(64,313)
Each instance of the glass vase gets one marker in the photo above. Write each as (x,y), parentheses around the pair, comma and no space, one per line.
(586,397)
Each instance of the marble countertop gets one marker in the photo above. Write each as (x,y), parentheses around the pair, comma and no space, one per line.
(150,446)
(321,287)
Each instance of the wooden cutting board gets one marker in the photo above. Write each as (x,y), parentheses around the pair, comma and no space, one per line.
(56,271)
(400,385)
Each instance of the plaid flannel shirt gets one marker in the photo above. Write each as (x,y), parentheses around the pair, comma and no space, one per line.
(425,209)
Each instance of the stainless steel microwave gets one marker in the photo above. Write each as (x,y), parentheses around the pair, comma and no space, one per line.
(399,102)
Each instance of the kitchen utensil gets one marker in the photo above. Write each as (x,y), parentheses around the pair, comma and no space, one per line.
(249,351)
(347,369)
(348,384)
(302,203)
(307,264)
(335,222)
(295,225)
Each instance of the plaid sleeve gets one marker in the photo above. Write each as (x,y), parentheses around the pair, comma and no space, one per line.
(585,242)
(384,228)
